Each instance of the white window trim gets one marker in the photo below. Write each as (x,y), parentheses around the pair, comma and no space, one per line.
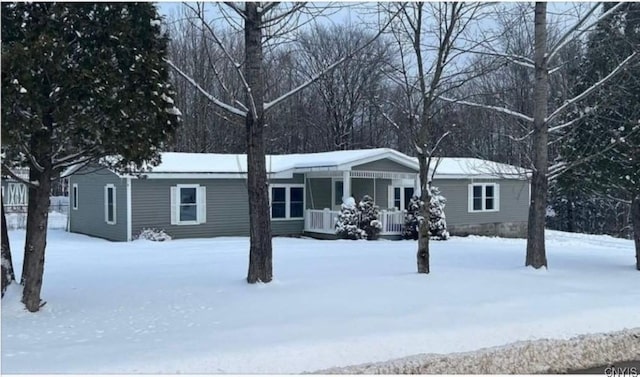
(74,194)
(106,203)
(287,199)
(390,195)
(334,193)
(496,197)
(200,213)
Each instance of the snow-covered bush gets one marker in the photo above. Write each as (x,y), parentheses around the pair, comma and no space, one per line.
(412,219)
(437,218)
(369,218)
(348,221)
(152,234)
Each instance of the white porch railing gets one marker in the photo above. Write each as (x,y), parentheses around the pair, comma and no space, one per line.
(324,221)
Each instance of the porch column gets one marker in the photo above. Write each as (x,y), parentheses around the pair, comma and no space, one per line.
(346,185)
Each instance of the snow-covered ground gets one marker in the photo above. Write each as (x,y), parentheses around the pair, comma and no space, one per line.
(183,306)
(18,220)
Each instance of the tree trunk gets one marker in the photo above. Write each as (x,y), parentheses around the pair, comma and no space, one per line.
(260,252)
(635,221)
(36,241)
(8,276)
(423,229)
(536,254)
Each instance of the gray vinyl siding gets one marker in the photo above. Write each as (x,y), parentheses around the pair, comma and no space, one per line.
(318,191)
(89,217)
(286,227)
(384,165)
(227,208)
(514,201)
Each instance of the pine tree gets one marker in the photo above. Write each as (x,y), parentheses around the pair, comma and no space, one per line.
(412,219)
(437,218)
(608,135)
(347,226)
(369,218)
(80,81)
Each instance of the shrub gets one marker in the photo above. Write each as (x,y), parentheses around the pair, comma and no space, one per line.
(412,219)
(437,218)
(348,221)
(369,218)
(152,234)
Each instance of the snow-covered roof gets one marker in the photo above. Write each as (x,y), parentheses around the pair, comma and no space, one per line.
(456,167)
(176,162)
(282,166)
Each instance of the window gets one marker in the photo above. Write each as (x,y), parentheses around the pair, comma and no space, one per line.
(400,197)
(287,201)
(74,199)
(484,197)
(109,204)
(188,205)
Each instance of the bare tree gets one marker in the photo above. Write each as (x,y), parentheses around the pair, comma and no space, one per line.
(430,38)
(349,90)
(544,123)
(261,23)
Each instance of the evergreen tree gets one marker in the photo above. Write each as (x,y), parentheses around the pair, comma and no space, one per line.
(412,219)
(80,81)
(347,226)
(605,147)
(369,218)
(437,218)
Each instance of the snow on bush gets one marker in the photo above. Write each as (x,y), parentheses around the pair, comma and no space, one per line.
(347,226)
(152,234)
(369,218)
(437,218)
(412,219)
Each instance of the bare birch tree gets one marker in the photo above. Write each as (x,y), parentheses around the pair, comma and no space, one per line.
(260,23)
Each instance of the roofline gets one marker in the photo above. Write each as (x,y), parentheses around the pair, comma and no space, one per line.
(391,154)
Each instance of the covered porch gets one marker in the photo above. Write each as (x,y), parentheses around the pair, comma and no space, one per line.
(326,191)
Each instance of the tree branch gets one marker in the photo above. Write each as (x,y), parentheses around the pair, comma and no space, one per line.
(565,39)
(273,103)
(591,89)
(7,170)
(214,100)
(499,109)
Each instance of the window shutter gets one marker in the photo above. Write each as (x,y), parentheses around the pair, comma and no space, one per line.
(390,197)
(496,194)
(115,207)
(174,211)
(106,204)
(470,198)
(202,204)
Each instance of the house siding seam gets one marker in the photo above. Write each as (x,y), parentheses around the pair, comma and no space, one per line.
(89,218)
